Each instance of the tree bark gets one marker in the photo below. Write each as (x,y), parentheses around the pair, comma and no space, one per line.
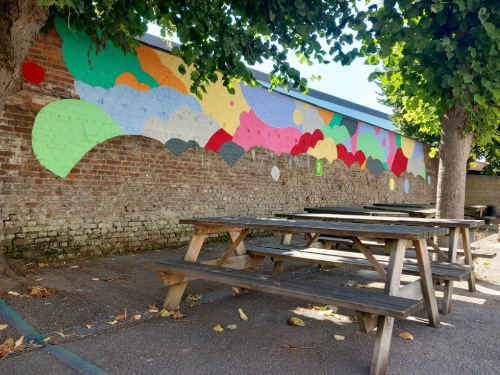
(454,151)
(20,23)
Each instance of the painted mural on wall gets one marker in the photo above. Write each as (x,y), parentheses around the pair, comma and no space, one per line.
(146,95)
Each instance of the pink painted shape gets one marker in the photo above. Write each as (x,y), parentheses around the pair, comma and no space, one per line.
(393,148)
(354,139)
(253,132)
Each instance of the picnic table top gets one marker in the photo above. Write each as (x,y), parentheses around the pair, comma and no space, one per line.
(346,229)
(449,223)
(353,211)
(408,205)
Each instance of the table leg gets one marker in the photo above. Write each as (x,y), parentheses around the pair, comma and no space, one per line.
(468,257)
(452,258)
(385,324)
(175,292)
(424,267)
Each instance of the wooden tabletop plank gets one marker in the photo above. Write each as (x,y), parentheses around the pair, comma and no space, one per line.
(341,229)
(447,223)
(412,211)
(408,205)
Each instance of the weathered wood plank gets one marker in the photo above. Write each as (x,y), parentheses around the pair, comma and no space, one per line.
(352,298)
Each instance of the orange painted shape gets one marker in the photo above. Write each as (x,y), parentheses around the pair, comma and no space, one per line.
(325,115)
(152,64)
(130,80)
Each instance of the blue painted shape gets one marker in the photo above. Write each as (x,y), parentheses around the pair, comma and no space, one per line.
(428,180)
(375,165)
(178,146)
(231,152)
(407,186)
(131,108)
(274,109)
(418,151)
(351,125)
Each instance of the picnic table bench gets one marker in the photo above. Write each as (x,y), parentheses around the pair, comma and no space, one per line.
(372,309)
(428,212)
(456,229)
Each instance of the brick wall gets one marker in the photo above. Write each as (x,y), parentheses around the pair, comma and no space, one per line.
(128,192)
(483,190)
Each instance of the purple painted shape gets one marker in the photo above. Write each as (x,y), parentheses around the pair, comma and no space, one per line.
(407,186)
(274,109)
(253,132)
(418,151)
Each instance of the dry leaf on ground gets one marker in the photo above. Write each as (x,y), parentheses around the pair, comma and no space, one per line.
(135,317)
(40,291)
(232,326)
(12,293)
(3,326)
(164,313)
(406,335)
(339,337)
(153,308)
(218,328)
(289,346)
(235,290)
(179,315)
(294,321)
(242,314)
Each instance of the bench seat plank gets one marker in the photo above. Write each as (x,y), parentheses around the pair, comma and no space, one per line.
(440,270)
(351,298)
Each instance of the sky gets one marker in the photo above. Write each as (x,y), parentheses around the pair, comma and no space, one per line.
(346,82)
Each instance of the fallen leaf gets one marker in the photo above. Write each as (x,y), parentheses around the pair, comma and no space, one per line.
(179,315)
(95,279)
(42,265)
(164,313)
(113,322)
(318,308)
(61,333)
(406,335)
(13,293)
(232,326)
(153,309)
(42,291)
(218,328)
(73,267)
(242,314)
(136,317)
(289,346)
(235,290)
(339,337)
(89,326)
(18,345)
(276,283)
(9,343)
(120,317)
(294,321)
(4,351)
(47,339)
(190,298)
(3,326)
(39,279)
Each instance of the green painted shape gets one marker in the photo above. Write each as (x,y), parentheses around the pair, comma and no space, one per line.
(423,172)
(338,133)
(371,147)
(105,67)
(336,119)
(397,138)
(64,131)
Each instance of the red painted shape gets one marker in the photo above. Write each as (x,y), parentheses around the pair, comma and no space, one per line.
(400,163)
(218,139)
(348,157)
(307,140)
(33,72)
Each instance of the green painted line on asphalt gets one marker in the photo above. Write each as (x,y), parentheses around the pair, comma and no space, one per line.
(64,355)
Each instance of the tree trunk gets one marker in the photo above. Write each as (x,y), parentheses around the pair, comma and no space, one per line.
(20,23)
(454,151)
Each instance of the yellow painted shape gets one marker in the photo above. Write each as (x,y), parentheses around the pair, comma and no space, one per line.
(217,102)
(130,80)
(391,184)
(152,64)
(325,149)
(297,117)
(326,115)
(407,145)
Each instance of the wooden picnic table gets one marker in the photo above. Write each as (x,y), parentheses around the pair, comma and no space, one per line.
(475,210)
(373,309)
(456,229)
(345,210)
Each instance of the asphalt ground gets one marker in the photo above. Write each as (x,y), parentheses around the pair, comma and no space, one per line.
(72,331)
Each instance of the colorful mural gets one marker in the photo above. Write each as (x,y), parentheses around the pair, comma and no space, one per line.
(146,95)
